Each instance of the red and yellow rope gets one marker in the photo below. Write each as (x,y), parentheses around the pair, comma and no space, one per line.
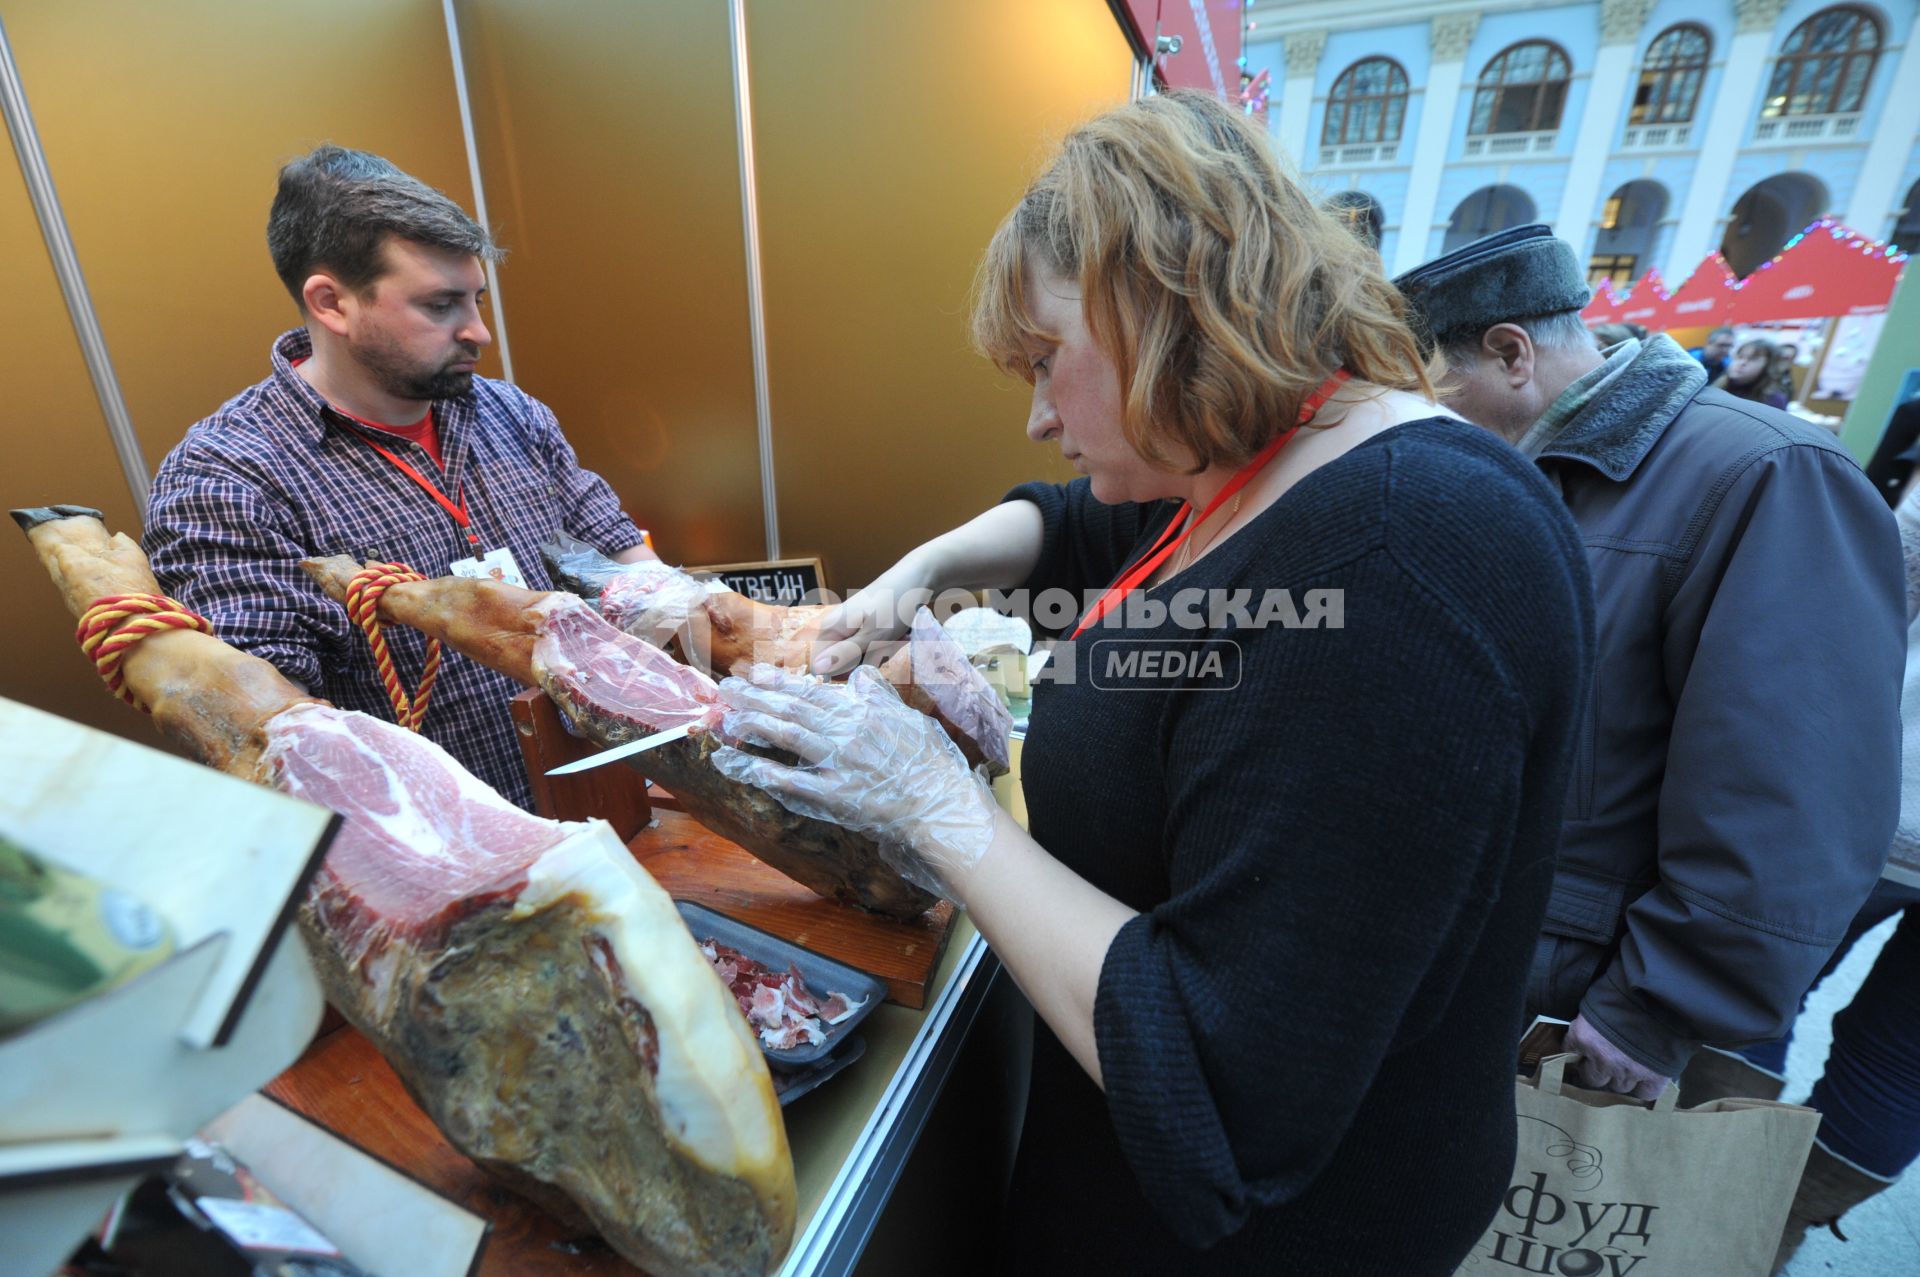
(110,628)
(363,606)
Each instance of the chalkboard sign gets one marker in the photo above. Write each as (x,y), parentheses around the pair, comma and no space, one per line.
(782,581)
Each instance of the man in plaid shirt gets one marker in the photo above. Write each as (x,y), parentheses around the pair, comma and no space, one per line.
(374,438)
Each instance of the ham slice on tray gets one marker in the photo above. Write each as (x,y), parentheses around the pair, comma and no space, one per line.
(519,974)
(777,1004)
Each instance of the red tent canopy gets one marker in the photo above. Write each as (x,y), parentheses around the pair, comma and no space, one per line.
(1209,35)
(1605,306)
(1647,303)
(1706,297)
(1825,271)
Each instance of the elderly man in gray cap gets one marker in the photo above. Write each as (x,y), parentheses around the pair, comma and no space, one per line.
(1736,788)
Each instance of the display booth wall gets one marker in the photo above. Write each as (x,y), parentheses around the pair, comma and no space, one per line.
(163,127)
(890,140)
(887,142)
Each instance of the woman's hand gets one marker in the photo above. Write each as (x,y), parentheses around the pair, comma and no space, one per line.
(995,550)
(877,614)
(867,762)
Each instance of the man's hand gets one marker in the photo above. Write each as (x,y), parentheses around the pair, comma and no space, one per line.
(1605,1067)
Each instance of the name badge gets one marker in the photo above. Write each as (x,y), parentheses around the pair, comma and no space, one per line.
(494,565)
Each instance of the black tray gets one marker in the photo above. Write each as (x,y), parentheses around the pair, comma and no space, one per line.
(822,974)
(790,1085)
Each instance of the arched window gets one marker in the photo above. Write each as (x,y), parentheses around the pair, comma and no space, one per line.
(1769,214)
(1487,210)
(1825,64)
(1906,231)
(1629,224)
(1670,77)
(1368,104)
(1522,90)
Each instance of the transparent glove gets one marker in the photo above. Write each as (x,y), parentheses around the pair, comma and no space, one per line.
(867,762)
(1605,1067)
(653,601)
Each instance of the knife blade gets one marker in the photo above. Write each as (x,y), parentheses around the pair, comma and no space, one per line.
(619,752)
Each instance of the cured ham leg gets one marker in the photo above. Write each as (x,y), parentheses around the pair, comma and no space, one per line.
(533,987)
(611,686)
(614,688)
(211,699)
(496,624)
(717,629)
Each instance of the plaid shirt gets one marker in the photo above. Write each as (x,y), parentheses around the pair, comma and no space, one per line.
(275,476)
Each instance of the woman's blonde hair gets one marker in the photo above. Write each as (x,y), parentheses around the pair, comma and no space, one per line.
(1222,293)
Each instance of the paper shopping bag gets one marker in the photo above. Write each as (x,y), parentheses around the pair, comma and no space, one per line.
(1605,1185)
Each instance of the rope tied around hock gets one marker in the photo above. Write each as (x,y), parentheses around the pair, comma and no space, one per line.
(363,608)
(110,627)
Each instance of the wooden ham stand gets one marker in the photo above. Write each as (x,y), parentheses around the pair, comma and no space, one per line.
(343,1084)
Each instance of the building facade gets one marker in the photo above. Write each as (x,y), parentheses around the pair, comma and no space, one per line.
(1648,133)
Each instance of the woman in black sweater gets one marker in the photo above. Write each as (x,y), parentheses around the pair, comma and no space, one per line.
(1295,791)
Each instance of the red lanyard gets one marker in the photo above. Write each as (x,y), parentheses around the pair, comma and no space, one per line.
(1162,549)
(459,512)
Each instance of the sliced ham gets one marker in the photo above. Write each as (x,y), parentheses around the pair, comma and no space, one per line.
(622,678)
(615,688)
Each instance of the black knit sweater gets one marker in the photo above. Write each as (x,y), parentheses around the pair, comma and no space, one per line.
(1341,863)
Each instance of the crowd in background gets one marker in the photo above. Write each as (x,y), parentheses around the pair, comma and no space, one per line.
(1757,369)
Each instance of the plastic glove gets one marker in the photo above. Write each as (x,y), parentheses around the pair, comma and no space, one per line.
(1605,1067)
(654,602)
(650,600)
(867,762)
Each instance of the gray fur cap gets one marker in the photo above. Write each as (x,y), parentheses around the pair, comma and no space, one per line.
(1515,274)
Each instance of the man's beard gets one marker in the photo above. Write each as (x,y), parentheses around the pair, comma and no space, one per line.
(403,379)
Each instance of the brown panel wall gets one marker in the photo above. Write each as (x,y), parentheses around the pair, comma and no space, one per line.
(608,148)
(57,452)
(890,139)
(164,125)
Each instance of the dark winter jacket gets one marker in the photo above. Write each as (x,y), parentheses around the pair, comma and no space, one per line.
(1738,776)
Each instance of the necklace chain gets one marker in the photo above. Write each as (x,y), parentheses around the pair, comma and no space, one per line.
(1186,548)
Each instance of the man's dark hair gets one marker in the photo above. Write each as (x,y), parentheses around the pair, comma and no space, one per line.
(336,207)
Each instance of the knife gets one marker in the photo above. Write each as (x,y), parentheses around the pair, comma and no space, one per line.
(622,751)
